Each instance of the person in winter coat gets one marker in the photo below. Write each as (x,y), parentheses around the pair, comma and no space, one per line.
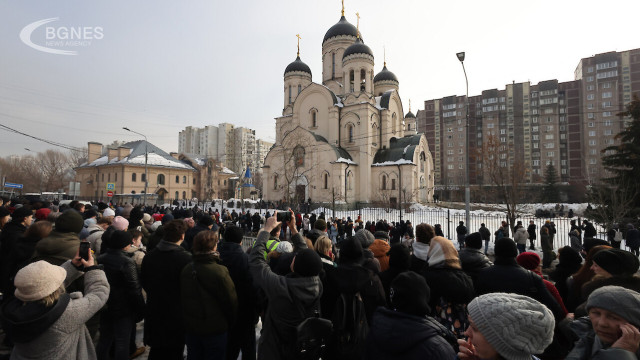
(611,330)
(520,237)
(209,301)
(531,262)
(461,231)
(12,231)
(95,233)
(589,230)
(424,234)
(63,242)
(242,335)
(507,276)
(380,248)
(613,267)
(569,262)
(574,238)
(399,262)
(486,236)
(547,247)
(451,288)
(43,321)
(292,298)
(581,277)
(125,306)
(161,269)
(366,239)
(532,235)
(204,223)
(438,230)
(491,314)
(22,252)
(633,239)
(351,277)
(406,331)
(472,259)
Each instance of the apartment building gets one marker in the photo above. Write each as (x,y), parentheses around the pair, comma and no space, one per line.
(234,147)
(566,124)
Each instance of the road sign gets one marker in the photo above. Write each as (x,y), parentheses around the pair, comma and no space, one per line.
(12,185)
(110,193)
(111,186)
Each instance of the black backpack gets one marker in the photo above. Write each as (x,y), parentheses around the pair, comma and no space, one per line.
(350,327)
(312,337)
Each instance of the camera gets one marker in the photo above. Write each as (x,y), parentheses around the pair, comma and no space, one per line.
(284,216)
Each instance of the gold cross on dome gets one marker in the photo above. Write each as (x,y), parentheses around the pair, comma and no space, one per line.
(358,24)
(298,36)
(342,7)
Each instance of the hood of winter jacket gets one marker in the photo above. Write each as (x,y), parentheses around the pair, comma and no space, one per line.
(24,322)
(59,244)
(397,333)
(307,290)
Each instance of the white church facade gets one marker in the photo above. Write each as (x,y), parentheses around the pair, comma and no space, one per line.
(346,139)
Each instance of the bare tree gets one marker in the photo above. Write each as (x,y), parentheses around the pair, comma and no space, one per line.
(506,174)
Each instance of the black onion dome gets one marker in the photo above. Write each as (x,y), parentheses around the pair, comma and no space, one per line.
(297,65)
(410,115)
(342,27)
(358,47)
(385,75)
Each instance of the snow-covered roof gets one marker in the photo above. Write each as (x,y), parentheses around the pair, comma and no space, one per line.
(346,161)
(226,170)
(156,157)
(394,163)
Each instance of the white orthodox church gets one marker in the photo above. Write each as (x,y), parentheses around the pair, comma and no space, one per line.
(346,139)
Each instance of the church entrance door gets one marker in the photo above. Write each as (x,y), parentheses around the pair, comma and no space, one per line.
(300,192)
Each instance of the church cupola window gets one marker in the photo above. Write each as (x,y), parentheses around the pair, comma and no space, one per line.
(351,80)
(350,132)
(289,94)
(299,89)
(363,80)
(333,66)
(314,119)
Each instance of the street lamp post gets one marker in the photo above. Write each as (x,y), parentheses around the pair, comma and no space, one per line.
(467,191)
(146,158)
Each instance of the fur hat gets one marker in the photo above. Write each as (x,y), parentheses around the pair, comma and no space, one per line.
(307,263)
(120,223)
(365,237)
(409,293)
(623,302)
(38,280)
(516,326)
(69,221)
(617,262)
(473,240)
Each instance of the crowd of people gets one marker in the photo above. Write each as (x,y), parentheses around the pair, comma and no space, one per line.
(77,279)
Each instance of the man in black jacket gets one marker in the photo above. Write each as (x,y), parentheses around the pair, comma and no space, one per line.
(471,257)
(161,269)
(126,304)
(509,277)
(486,237)
(205,223)
(461,231)
(532,234)
(20,220)
(242,335)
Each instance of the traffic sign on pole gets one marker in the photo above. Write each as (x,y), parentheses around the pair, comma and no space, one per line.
(111,186)
(12,185)
(110,193)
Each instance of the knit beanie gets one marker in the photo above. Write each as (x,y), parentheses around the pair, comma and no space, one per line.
(307,263)
(623,302)
(108,212)
(516,326)
(528,260)
(569,258)
(399,256)
(617,262)
(69,221)
(284,247)
(38,280)
(409,293)
(119,239)
(167,218)
(206,221)
(365,237)
(473,240)
(42,213)
(382,235)
(506,248)
(120,223)
(146,218)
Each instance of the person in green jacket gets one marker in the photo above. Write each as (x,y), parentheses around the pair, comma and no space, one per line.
(209,301)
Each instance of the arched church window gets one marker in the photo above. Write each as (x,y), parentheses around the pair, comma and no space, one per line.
(314,119)
(351,80)
(384,182)
(298,155)
(299,89)
(177,196)
(333,66)
(184,179)
(160,179)
(409,127)
(393,184)
(363,80)
(289,94)
(275,182)
(350,133)
(394,122)
(326,180)
(423,159)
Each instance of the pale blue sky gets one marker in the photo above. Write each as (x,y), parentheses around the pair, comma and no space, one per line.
(164,65)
